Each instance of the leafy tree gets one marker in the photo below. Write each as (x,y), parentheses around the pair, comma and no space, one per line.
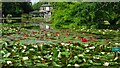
(77,13)
(109,11)
(85,13)
(16,8)
(37,5)
(26,7)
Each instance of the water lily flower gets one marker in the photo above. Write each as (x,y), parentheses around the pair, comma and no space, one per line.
(48,34)
(31,49)
(24,47)
(57,34)
(9,34)
(34,32)
(117,43)
(87,50)
(62,43)
(84,60)
(58,49)
(41,37)
(110,30)
(25,58)
(67,34)
(14,47)
(86,45)
(47,27)
(38,32)
(79,37)
(99,30)
(23,50)
(83,33)
(9,62)
(35,46)
(77,65)
(50,58)
(51,52)
(67,44)
(69,65)
(39,56)
(96,57)
(84,40)
(2,52)
(69,41)
(68,50)
(93,47)
(90,61)
(106,64)
(108,53)
(103,32)
(47,38)
(103,52)
(13,50)
(80,55)
(42,59)
(116,58)
(26,35)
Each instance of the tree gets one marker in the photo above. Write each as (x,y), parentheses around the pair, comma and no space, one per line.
(85,13)
(107,11)
(37,5)
(72,12)
(16,8)
(26,7)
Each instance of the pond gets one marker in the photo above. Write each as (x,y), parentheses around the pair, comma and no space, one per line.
(23,45)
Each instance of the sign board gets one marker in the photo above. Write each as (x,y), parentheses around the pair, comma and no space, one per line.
(116,49)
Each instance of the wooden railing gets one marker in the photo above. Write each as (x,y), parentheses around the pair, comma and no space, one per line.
(12,18)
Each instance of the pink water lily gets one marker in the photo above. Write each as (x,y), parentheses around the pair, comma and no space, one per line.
(26,35)
(47,38)
(41,37)
(38,32)
(67,34)
(84,40)
(34,32)
(9,34)
(57,34)
(79,37)
(69,41)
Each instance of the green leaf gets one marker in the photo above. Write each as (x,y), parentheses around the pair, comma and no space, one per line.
(97,64)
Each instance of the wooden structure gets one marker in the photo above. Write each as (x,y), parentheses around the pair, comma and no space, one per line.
(46,10)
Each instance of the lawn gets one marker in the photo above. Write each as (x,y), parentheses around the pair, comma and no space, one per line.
(28,45)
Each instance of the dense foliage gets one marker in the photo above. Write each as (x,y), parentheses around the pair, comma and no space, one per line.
(37,5)
(16,8)
(74,14)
